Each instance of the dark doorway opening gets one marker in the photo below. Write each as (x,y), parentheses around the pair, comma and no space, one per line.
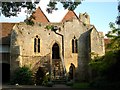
(55,51)
(71,72)
(5,73)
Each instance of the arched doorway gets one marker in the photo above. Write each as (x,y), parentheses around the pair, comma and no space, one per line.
(56,62)
(55,51)
(71,72)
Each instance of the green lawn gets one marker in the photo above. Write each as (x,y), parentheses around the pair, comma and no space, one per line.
(80,85)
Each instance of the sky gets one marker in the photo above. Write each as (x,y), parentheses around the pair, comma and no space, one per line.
(101,13)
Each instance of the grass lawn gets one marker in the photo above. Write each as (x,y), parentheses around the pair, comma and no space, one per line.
(80,85)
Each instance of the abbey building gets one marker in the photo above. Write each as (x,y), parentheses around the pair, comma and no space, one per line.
(54,46)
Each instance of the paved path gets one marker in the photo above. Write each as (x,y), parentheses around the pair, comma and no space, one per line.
(31,87)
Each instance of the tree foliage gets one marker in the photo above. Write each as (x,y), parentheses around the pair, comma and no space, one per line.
(13,7)
(106,70)
(114,34)
(110,62)
(107,67)
(67,4)
(22,76)
(104,63)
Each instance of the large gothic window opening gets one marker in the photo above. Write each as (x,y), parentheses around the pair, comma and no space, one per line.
(37,44)
(74,45)
(55,51)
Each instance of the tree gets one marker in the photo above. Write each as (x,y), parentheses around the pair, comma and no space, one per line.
(106,69)
(114,34)
(13,7)
(118,18)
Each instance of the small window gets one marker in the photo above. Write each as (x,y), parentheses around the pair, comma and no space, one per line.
(37,44)
(74,45)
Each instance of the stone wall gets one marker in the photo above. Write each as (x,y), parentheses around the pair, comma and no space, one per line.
(22,42)
(71,29)
(83,56)
(22,45)
(97,42)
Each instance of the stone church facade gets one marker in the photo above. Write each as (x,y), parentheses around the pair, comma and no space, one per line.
(54,46)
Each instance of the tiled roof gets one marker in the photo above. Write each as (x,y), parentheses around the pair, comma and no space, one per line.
(5,31)
(40,16)
(69,16)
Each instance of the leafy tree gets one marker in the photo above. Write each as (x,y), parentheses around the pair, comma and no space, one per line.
(107,67)
(103,64)
(13,7)
(118,18)
(67,4)
(114,34)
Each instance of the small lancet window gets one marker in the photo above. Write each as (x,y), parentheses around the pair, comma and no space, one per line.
(74,45)
(37,44)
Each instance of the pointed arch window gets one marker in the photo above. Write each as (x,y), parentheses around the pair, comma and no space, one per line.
(74,45)
(37,44)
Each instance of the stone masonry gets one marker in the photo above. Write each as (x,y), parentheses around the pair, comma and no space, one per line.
(88,40)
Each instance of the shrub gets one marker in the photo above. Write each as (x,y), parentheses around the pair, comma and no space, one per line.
(107,69)
(46,79)
(39,76)
(23,76)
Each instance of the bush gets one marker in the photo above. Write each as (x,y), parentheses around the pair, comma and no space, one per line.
(107,69)
(46,79)
(23,76)
(40,76)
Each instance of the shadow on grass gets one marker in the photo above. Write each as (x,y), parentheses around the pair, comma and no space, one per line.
(87,86)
